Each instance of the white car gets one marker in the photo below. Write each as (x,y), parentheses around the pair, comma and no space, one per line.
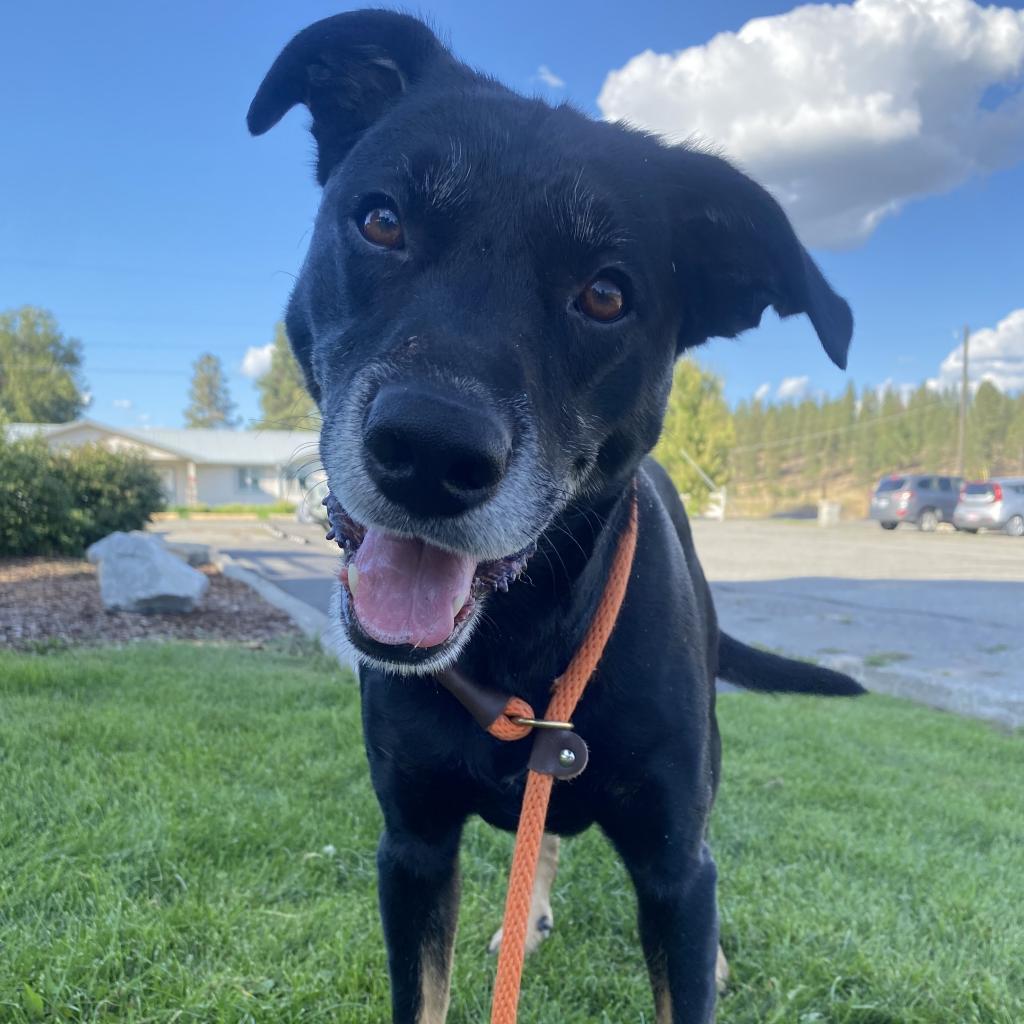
(992,505)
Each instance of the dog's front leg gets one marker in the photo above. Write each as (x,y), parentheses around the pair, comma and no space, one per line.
(419,895)
(678,921)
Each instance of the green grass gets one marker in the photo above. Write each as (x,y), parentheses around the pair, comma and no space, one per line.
(167,815)
(264,511)
(882,658)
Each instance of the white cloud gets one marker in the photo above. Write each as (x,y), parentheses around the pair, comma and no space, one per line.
(792,387)
(549,78)
(256,361)
(122,403)
(845,112)
(995,354)
(762,392)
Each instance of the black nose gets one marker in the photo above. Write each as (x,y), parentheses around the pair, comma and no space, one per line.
(433,453)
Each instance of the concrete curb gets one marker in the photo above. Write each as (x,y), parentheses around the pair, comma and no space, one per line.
(313,623)
(969,698)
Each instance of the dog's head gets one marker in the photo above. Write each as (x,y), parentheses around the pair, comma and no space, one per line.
(494,296)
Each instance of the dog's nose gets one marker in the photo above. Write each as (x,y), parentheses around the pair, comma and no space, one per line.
(434,454)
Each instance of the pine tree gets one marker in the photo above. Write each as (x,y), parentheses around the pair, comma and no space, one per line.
(866,447)
(987,426)
(285,404)
(210,403)
(846,422)
(1015,439)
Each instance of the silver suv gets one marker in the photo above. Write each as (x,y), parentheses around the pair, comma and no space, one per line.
(920,498)
(993,505)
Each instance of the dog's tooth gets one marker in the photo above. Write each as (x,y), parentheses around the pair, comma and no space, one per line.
(353,579)
(459,602)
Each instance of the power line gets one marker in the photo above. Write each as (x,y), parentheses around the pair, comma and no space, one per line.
(148,271)
(835,430)
(174,324)
(961,454)
(143,372)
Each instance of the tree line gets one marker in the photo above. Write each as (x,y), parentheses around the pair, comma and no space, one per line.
(285,404)
(42,380)
(795,453)
(772,457)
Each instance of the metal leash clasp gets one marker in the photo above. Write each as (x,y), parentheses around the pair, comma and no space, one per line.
(540,723)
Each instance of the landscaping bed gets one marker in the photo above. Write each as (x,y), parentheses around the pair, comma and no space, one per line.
(55,602)
(189,834)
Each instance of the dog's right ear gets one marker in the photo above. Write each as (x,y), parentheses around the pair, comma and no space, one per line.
(348,70)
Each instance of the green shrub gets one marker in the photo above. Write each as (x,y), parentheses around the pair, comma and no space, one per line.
(60,502)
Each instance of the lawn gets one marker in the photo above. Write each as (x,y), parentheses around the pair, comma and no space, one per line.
(187,834)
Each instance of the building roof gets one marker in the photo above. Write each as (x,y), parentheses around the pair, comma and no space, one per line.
(202,446)
(15,431)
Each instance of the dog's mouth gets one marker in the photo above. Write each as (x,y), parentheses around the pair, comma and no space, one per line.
(406,594)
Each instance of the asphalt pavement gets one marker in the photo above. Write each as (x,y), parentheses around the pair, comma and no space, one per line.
(293,556)
(937,618)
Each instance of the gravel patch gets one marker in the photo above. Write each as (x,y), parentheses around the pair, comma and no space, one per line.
(50,603)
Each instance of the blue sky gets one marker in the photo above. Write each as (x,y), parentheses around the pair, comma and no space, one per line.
(134,205)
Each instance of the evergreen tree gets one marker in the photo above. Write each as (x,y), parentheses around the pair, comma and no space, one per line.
(987,426)
(846,421)
(210,403)
(698,422)
(796,453)
(40,369)
(1015,438)
(865,447)
(892,452)
(285,404)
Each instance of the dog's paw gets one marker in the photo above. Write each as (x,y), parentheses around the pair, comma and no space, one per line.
(721,972)
(539,929)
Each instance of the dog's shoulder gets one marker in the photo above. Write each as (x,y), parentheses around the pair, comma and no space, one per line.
(656,481)
(664,492)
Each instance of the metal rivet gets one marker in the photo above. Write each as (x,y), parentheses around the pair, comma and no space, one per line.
(566,757)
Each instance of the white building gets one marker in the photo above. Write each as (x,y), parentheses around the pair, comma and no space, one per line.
(203,467)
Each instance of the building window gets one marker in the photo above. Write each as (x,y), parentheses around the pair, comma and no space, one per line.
(248,478)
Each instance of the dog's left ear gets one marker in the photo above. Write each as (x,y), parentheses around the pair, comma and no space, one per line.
(348,70)
(735,254)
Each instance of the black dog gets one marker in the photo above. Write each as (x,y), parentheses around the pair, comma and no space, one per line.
(494,296)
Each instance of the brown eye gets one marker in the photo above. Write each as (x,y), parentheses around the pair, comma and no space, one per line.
(381,226)
(603,299)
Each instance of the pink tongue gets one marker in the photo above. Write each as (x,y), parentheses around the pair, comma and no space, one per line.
(406,589)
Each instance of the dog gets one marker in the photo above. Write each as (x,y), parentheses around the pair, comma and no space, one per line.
(494,296)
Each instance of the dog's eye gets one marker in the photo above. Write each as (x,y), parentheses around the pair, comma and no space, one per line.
(380,226)
(603,299)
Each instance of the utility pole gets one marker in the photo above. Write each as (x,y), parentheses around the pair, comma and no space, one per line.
(961,457)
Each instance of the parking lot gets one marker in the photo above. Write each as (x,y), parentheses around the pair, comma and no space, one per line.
(758,549)
(937,617)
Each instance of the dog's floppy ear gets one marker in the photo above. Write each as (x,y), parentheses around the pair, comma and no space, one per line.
(348,70)
(735,254)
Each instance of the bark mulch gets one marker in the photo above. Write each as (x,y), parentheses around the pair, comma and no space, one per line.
(50,603)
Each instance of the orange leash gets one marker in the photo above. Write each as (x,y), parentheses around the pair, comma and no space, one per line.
(566,693)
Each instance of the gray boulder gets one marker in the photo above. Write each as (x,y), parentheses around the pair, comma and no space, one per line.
(138,574)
